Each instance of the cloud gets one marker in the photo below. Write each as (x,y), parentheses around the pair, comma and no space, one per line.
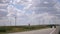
(41,7)
(3,13)
(22,2)
(39,18)
(13,11)
(34,11)
(25,3)
(4,1)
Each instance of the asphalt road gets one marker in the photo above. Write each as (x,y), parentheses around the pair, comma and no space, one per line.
(42,31)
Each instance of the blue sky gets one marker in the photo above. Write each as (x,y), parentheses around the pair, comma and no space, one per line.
(32,12)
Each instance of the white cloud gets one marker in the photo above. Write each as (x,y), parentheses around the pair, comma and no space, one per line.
(23,2)
(36,18)
(3,4)
(11,10)
(14,11)
(3,10)
(32,18)
(57,6)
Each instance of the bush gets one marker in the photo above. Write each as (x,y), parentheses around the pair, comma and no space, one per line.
(2,29)
(5,29)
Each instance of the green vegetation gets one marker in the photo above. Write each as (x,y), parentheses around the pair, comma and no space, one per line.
(7,29)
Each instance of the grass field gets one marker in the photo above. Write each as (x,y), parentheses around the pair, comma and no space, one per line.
(7,29)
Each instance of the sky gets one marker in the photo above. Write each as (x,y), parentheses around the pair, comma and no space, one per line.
(34,12)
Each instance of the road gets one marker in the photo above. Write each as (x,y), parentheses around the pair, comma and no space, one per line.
(42,31)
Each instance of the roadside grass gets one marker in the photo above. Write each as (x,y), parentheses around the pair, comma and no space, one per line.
(3,33)
(8,29)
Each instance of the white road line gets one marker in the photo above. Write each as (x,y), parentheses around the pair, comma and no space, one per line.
(53,31)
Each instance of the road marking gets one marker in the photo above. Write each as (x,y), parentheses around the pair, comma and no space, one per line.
(53,31)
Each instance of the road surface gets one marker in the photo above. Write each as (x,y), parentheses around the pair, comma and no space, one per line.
(42,31)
